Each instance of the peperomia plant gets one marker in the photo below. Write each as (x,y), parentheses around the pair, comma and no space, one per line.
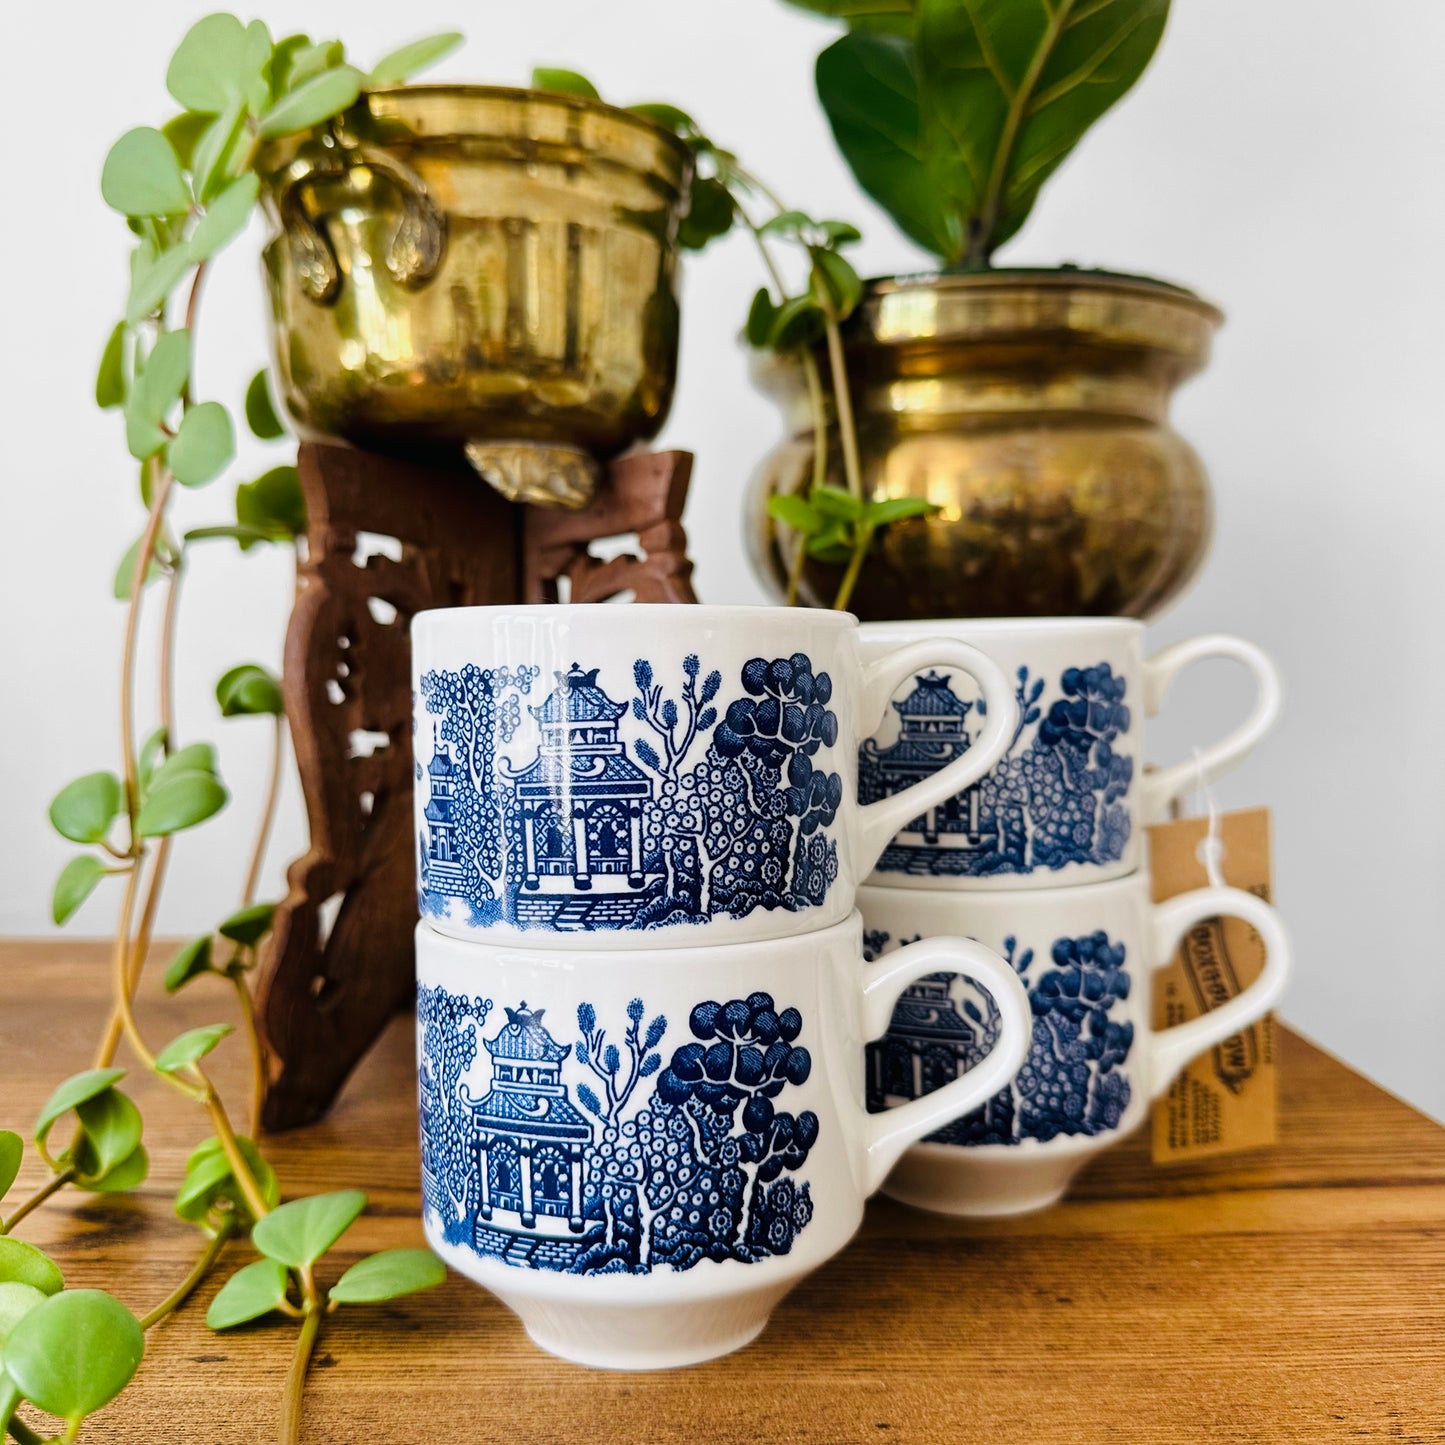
(186,191)
(953,113)
(834,524)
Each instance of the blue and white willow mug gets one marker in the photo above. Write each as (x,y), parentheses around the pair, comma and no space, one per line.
(1095,1061)
(1069,799)
(648,776)
(640,1152)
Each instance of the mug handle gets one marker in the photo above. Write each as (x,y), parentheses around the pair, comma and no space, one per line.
(888,1134)
(1172,1048)
(878,822)
(1162,786)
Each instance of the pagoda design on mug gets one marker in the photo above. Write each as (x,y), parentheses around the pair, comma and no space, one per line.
(639,813)
(1056,797)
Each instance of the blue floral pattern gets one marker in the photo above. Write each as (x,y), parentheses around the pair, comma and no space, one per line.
(1055,798)
(658,811)
(701,1163)
(1072,1080)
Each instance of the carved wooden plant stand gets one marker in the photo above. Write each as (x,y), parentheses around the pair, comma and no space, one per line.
(386,539)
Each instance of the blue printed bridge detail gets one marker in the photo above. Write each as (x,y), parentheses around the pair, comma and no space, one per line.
(1071,1083)
(638,814)
(627,1166)
(1055,798)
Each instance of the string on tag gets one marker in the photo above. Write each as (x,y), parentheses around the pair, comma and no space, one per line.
(1211,847)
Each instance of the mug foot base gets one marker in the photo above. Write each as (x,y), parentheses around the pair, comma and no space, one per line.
(945,1179)
(657,1337)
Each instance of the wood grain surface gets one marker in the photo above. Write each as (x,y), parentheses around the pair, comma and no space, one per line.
(1293,1294)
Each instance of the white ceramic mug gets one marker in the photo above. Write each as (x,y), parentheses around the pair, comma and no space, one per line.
(1095,1063)
(641,1152)
(615,776)
(1068,801)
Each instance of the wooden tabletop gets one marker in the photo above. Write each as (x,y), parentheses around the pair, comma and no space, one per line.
(1293,1294)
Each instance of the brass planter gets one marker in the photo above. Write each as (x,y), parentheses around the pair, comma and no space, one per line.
(1032,407)
(475,267)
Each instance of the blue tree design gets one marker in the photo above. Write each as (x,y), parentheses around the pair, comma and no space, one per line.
(476,704)
(742,1057)
(605,1060)
(1075,1044)
(449,1025)
(676,728)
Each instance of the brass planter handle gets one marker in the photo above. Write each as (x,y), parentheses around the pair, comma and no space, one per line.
(414,253)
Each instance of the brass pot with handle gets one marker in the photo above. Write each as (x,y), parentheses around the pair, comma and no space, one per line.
(482,269)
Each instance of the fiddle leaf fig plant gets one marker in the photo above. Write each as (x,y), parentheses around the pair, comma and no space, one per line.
(953,113)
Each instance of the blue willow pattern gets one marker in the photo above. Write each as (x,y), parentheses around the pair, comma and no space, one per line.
(697,1165)
(1049,802)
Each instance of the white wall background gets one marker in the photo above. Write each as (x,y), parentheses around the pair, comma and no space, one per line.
(1284,158)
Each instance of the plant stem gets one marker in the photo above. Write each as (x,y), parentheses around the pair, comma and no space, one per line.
(227,1135)
(855,566)
(23,1434)
(843,404)
(268,813)
(819,408)
(53,1185)
(199,1271)
(258,1056)
(296,1379)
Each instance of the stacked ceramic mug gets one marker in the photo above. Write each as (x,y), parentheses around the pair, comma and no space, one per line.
(643,1002)
(1044,859)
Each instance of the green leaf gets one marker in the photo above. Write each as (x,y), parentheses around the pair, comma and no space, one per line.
(408,60)
(895,509)
(792,511)
(273,504)
(204,445)
(16,1301)
(832,545)
(710,213)
(193,758)
(219,151)
(389,1274)
(869,92)
(190,1047)
(260,414)
(299,1233)
(845,286)
(247,537)
(840,233)
(74,1091)
(124,579)
(211,64)
(150,285)
(251,1292)
(152,751)
(835,502)
(1007,91)
(179,802)
(761,316)
(283,55)
(76,883)
(110,377)
(858,11)
(110,1126)
(130,1173)
(248,691)
(12,1151)
(209,1182)
(184,132)
(669,117)
(142,177)
(157,388)
(225,217)
(193,960)
(312,102)
(786,223)
(798,323)
(248,926)
(563,82)
(75,1353)
(83,810)
(22,1263)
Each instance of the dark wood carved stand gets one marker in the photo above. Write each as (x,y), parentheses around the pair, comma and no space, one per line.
(386,539)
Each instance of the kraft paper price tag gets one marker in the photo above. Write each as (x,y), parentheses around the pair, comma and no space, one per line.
(1226,1100)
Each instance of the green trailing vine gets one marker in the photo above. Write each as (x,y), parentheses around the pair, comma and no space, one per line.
(186,190)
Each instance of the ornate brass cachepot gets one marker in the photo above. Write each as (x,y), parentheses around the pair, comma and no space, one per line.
(1032,407)
(468,266)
